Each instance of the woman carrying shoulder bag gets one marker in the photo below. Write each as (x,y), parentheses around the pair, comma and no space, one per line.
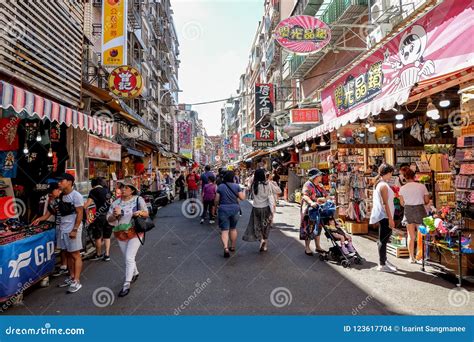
(259,225)
(382,213)
(121,216)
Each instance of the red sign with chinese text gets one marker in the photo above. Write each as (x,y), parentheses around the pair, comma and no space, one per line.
(235,142)
(304,116)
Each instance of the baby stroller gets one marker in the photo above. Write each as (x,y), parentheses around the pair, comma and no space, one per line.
(336,253)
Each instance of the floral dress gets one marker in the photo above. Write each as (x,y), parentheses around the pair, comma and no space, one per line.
(309,227)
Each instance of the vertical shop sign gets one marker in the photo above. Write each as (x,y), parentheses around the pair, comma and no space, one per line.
(114,32)
(264,105)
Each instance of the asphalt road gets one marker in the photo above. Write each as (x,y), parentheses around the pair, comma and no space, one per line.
(182,272)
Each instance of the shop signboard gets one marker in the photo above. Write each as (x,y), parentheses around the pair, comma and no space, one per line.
(25,261)
(114,32)
(125,82)
(247,139)
(264,105)
(185,138)
(187,153)
(302,34)
(434,45)
(262,144)
(103,149)
(304,116)
(198,143)
(235,142)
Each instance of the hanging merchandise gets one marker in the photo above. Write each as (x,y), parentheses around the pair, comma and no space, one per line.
(8,164)
(8,134)
(431,130)
(416,131)
(357,209)
(55,132)
(32,129)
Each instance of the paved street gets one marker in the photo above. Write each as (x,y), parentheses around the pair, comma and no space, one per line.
(182,271)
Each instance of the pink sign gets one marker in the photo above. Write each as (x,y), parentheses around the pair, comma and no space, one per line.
(302,34)
(435,45)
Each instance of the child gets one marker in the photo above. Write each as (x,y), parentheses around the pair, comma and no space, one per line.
(345,239)
(52,210)
(208,196)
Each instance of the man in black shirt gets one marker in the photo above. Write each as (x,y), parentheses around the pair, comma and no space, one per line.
(101,230)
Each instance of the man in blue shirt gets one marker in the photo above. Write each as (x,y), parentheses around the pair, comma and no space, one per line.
(205,176)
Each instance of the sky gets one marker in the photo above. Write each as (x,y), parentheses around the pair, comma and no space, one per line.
(215,38)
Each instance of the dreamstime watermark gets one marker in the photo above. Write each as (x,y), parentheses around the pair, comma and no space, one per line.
(188,301)
(192,30)
(192,208)
(281,297)
(104,115)
(459,297)
(103,297)
(47,329)
(358,309)
(14,207)
(16,298)
(457,119)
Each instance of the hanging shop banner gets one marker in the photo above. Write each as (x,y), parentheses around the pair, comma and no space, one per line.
(26,261)
(235,142)
(114,32)
(434,45)
(103,149)
(198,143)
(125,82)
(302,34)
(304,116)
(264,105)
(184,135)
(186,153)
(247,139)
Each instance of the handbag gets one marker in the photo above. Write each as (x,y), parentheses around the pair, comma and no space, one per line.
(142,225)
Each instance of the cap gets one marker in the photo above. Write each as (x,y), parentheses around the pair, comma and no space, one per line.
(66,176)
(313,173)
(52,187)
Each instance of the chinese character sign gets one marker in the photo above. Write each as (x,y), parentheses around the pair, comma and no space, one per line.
(304,116)
(114,32)
(235,142)
(125,82)
(184,135)
(264,104)
(434,45)
(302,34)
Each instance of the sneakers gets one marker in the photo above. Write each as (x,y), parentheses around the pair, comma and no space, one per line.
(106,257)
(202,221)
(125,290)
(389,264)
(98,257)
(67,282)
(212,221)
(135,277)
(385,268)
(74,287)
(60,271)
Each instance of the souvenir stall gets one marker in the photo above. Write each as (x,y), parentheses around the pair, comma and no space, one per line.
(33,152)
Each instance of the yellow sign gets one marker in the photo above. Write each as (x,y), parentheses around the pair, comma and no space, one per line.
(198,143)
(125,82)
(114,32)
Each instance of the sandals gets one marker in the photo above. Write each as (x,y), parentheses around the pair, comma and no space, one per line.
(226,253)
(232,249)
(263,247)
(321,251)
(308,253)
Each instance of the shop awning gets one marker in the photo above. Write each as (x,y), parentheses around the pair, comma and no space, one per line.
(119,106)
(134,152)
(437,84)
(281,146)
(29,104)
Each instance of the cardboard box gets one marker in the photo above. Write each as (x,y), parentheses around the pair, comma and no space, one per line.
(357,227)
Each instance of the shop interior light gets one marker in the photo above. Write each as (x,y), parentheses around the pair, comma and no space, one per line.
(435,116)
(399,116)
(297,149)
(431,110)
(362,135)
(282,153)
(322,142)
(25,149)
(372,129)
(399,125)
(38,138)
(50,153)
(444,101)
(306,147)
(367,125)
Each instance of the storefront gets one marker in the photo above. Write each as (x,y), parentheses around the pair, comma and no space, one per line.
(35,148)
(104,158)
(401,105)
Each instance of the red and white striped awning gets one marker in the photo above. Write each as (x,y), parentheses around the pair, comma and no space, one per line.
(34,105)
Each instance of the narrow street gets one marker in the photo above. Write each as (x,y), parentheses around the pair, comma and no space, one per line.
(182,272)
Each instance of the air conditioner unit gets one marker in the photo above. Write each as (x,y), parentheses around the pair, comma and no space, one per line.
(384,10)
(378,34)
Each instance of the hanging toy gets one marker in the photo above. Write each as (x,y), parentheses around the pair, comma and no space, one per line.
(423,230)
(441,226)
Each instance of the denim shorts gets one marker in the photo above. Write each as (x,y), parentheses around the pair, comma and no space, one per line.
(71,245)
(227,219)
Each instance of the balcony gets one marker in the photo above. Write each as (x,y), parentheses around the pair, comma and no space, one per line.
(337,12)
(134,14)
